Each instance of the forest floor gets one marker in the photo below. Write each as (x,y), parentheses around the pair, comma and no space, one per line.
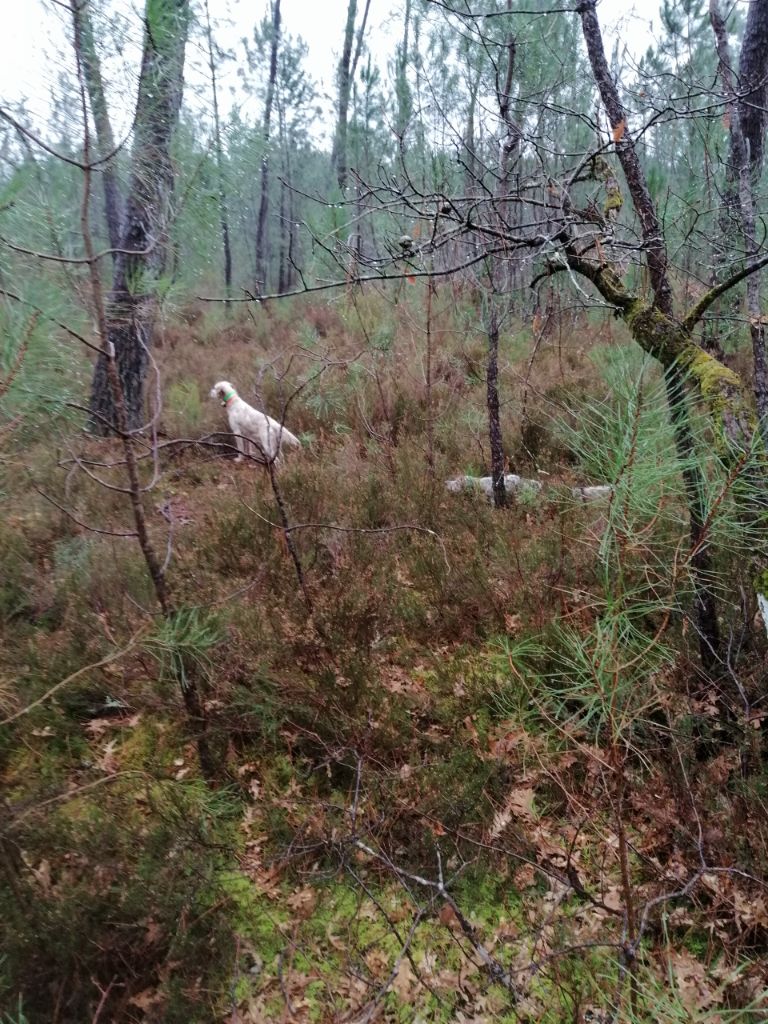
(448,791)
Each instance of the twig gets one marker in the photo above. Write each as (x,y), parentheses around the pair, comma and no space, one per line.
(72,794)
(85,526)
(376,1001)
(357,529)
(76,675)
(103,1001)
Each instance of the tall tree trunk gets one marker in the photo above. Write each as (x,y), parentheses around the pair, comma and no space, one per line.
(345,75)
(105,139)
(223,212)
(344,85)
(509,151)
(402,89)
(285,226)
(753,88)
(653,236)
(285,275)
(132,305)
(701,561)
(747,127)
(654,326)
(285,240)
(494,420)
(261,226)
(499,276)
(748,147)
(511,145)
(293,255)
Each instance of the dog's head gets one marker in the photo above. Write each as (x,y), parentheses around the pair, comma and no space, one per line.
(223,391)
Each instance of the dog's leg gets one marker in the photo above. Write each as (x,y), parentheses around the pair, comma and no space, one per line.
(240,448)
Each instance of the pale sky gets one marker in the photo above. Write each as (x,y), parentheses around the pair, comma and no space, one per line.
(34,46)
(34,49)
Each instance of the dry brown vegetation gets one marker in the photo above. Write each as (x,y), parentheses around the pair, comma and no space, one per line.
(409,825)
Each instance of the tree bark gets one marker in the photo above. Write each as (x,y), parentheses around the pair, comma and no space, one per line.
(285,241)
(494,421)
(747,128)
(753,88)
(219,149)
(509,151)
(344,85)
(653,237)
(510,148)
(402,89)
(261,227)
(132,302)
(105,139)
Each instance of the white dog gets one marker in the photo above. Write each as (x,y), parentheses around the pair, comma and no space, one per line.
(254,431)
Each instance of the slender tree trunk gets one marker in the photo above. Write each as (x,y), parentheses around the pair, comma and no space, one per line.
(344,82)
(509,151)
(494,420)
(511,144)
(655,327)
(132,305)
(653,237)
(344,85)
(469,159)
(701,562)
(293,255)
(429,388)
(747,129)
(753,87)
(105,139)
(187,675)
(402,89)
(223,211)
(285,240)
(261,226)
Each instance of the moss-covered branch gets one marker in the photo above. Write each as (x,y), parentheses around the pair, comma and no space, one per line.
(698,310)
(671,342)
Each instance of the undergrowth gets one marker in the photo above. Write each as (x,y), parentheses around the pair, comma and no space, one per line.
(472,769)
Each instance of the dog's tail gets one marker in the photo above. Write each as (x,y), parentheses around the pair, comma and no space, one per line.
(289,439)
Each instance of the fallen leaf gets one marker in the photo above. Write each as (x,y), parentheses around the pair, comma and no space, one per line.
(694,984)
(404,981)
(149,999)
(303,902)
(447,917)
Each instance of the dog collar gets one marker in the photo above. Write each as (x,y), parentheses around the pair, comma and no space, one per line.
(228,398)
